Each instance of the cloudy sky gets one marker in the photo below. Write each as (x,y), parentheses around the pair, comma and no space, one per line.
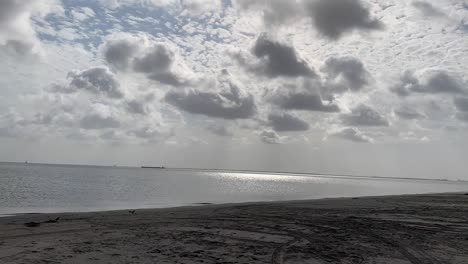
(371,87)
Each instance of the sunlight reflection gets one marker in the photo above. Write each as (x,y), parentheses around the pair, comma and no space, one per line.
(266,177)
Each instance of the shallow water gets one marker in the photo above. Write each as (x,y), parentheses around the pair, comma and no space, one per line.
(29,188)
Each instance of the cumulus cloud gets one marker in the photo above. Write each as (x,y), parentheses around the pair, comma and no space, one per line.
(118,53)
(333,18)
(407,83)
(345,74)
(443,82)
(16,30)
(157,59)
(435,82)
(271,137)
(141,54)
(287,122)
(95,80)
(352,134)
(220,105)
(275,59)
(14,23)
(364,115)
(275,12)
(228,101)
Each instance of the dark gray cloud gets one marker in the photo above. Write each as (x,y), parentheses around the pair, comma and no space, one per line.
(428,9)
(226,104)
(461,103)
(287,122)
(407,83)
(96,121)
(408,113)
(119,53)
(333,18)
(96,80)
(276,59)
(304,101)
(345,74)
(156,62)
(157,59)
(443,82)
(352,134)
(438,82)
(270,137)
(364,115)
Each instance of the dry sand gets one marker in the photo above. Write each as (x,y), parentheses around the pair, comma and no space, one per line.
(399,229)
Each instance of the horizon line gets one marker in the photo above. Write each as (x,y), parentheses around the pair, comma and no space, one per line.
(339,175)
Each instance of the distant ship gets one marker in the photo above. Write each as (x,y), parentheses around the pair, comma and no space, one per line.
(149,167)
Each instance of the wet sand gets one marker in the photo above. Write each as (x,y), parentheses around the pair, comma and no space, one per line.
(395,229)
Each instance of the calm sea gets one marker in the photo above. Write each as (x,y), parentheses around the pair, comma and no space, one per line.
(28,188)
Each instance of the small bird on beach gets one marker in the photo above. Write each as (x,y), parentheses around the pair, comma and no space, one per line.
(132,211)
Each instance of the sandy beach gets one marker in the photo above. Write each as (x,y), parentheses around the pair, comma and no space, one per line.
(395,229)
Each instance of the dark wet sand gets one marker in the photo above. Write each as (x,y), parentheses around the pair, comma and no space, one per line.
(399,229)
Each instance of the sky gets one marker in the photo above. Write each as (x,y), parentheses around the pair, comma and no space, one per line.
(371,87)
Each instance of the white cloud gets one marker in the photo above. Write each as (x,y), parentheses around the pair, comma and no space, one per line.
(271,137)
(183,7)
(16,30)
(82,13)
(352,134)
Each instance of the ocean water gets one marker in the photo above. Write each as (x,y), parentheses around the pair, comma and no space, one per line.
(32,188)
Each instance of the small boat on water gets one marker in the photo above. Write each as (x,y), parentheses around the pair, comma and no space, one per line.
(150,167)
